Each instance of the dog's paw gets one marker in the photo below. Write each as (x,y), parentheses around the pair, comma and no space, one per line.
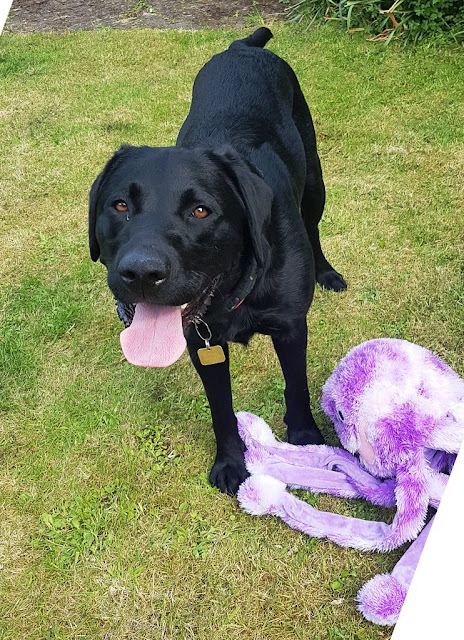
(304,436)
(331,280)
(228,474)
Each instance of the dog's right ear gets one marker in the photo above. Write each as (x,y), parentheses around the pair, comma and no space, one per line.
(93,200)
(256,196)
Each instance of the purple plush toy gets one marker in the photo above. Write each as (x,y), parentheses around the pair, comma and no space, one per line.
(400,409)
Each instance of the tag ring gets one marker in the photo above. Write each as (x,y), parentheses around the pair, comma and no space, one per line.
(206,340)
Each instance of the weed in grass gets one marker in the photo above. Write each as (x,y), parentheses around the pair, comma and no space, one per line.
(190,529)
(345,575)
(273,393)
(335,633)
(204,535)
(254,17)
(141,6)
(310,498)
(307,549)
(53,633)
(153,443)
(198,407)
(370,294)
(338,633)
(83,525)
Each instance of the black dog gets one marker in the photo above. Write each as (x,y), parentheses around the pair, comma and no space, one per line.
(222,228)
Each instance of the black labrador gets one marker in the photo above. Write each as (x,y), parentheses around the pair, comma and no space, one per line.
(222,231)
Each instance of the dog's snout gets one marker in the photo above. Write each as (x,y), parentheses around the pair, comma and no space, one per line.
(138,269)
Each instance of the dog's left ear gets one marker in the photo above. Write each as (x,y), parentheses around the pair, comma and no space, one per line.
(257,198)
(93,201)
(93,196)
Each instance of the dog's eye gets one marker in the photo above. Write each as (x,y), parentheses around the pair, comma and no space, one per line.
(120,205)
(200,212)
(340,415)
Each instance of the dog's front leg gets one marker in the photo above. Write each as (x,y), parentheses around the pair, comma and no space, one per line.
(229,469)
(291,351)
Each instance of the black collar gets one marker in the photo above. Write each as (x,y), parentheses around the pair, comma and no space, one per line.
(243,288)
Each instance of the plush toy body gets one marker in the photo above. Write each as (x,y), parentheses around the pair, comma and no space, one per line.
(400,409)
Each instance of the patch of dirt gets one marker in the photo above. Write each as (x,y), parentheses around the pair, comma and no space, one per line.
(58,15)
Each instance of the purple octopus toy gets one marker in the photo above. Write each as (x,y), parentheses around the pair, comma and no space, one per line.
(399,413)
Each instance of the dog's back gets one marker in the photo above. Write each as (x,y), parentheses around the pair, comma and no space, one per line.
(245,91)
(245,97)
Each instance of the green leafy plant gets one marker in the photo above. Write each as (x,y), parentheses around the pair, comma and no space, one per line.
(337,633)
(254,16)
(273,393)
(345,575)
(190,529)
(83,525)
(384,20)
(153,443)
(141,6)
(434,17)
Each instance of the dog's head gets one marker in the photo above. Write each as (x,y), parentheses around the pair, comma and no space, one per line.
(169,222)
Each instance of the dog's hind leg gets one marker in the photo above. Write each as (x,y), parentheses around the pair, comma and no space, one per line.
(313,201)
(291,351)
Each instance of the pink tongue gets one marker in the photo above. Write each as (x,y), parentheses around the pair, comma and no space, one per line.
(155,338)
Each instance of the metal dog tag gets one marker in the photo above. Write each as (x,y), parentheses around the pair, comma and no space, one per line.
(208,354)
(211,355)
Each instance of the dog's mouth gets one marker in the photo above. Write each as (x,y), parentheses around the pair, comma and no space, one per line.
(154,334)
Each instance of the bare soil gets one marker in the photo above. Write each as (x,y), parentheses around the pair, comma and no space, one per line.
(60,15)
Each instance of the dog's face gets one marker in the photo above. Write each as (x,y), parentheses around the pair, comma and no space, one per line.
(166,222)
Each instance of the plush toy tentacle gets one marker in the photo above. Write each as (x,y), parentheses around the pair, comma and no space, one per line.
(380,600)
(253,430)
(312,467)
(437,486)
(312,479)
(337,482)
(256,434)
(412,498)
(315,468)
(344,531)
(406,566)
(382,494)
(261,494)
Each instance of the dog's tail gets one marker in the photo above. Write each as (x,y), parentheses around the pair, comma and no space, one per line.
(257,39)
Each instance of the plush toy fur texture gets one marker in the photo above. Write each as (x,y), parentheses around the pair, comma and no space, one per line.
(400,410)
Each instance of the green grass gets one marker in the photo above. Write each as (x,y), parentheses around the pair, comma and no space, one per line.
(108,527)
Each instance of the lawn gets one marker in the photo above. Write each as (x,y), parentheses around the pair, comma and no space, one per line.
(108,527)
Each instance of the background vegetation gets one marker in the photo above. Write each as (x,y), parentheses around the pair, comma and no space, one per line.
(108,527)
(410,20)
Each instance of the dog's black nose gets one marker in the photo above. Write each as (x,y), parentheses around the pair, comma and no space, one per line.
(138,269)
